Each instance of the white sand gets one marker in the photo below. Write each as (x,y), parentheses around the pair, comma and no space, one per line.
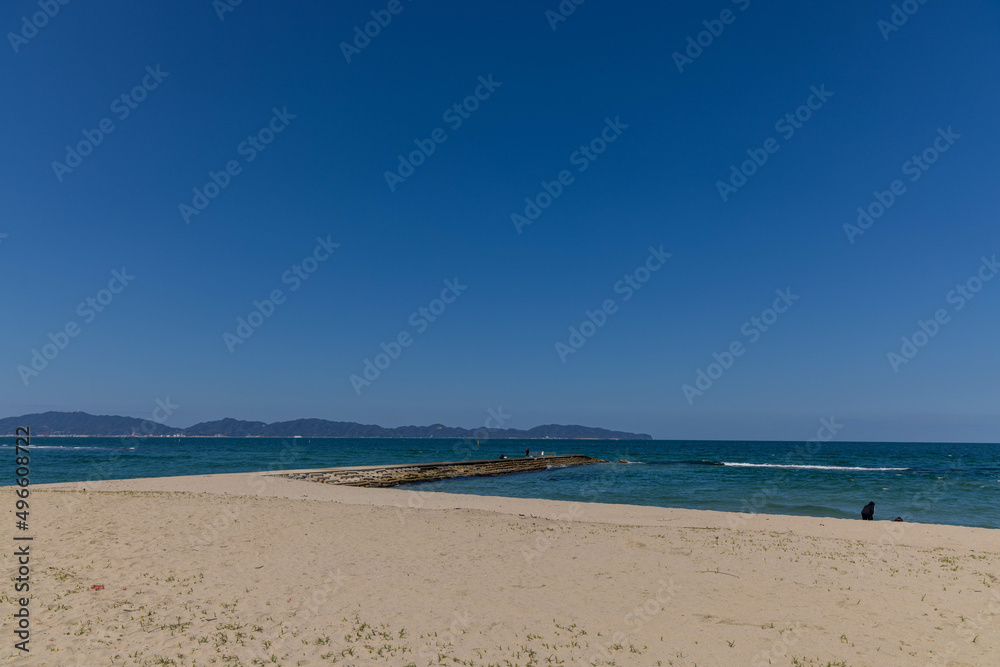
(243,569)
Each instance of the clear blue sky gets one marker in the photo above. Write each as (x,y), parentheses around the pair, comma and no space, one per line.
(885,93)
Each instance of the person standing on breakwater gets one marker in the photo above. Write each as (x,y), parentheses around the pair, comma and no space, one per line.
(526,452)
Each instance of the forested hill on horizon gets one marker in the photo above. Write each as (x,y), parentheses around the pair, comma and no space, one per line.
(82,423)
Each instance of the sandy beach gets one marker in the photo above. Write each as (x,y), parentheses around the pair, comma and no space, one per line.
(244,569)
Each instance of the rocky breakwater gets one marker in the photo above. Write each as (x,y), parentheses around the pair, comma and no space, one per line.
(392,475)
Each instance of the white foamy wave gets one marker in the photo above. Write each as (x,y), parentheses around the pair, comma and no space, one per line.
(804,467)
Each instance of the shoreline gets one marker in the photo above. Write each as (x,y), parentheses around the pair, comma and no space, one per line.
(246,566)
(251,484)
(229,483)
(261,484)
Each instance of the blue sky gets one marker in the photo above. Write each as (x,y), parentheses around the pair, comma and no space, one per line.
(886,95)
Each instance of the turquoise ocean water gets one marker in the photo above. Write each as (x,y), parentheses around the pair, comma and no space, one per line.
(949,483)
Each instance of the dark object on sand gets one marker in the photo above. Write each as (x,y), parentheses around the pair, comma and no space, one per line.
(868,512)
(898,518)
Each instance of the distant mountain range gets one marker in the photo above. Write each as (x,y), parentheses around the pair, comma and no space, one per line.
(82,423)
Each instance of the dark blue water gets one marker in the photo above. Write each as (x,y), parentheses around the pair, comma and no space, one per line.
(927,483)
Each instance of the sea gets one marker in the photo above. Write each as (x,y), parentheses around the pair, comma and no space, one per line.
(942,483)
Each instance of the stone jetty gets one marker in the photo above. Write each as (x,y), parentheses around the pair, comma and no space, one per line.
(392,475)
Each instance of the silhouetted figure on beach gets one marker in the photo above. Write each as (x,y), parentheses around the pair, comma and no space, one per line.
(527,452)
(868,511)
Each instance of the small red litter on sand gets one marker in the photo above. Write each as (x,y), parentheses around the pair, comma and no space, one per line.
(97,587)
(288,600)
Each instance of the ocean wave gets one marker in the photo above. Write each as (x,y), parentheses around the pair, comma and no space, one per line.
(805,467)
